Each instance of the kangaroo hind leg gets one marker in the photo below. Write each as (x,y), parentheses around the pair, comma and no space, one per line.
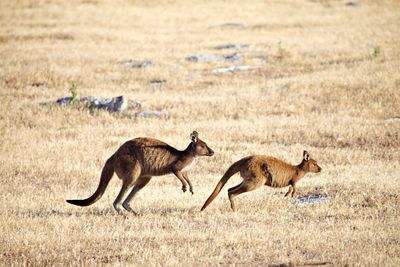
(245,186)
(140,183)
(128,169)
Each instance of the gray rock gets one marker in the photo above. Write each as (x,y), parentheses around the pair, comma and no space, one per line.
(311,199)
(234,68)
(204,58)
(114,104)
(138,64)
(214,58)
(230,46)
(64,100)
(233,57)
(151,113)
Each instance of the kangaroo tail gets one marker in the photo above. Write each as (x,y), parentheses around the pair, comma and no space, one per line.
(106,175)
(234,168)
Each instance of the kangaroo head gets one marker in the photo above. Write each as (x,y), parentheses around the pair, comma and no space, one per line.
(199,146)
(308,164)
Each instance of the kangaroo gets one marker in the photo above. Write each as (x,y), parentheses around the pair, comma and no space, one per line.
(137,160)
(262,170)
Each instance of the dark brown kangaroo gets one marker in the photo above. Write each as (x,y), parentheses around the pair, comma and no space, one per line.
(261,170)
(136,161)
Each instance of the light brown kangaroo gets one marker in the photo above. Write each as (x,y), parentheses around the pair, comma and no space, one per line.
(261,170)
(136,161)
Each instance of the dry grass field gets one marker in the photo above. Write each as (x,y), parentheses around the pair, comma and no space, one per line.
(326,78)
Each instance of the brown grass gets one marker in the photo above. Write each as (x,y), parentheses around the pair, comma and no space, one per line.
(323,88)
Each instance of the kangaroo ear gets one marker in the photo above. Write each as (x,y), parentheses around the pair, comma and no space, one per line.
(194,136)
(306,156)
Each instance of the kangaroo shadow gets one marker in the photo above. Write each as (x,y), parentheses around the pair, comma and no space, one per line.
(62,213)
(167,211)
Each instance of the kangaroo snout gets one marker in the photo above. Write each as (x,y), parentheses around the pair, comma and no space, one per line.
(210,152)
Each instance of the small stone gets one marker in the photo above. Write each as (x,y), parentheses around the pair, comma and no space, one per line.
(311,199)
(151,113)
(138,64)
(233,57)
(204,58)
(230,46)
(234,68)
(214,58)
(64,100)
(117,104)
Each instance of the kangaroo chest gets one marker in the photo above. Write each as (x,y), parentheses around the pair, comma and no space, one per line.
(188,167)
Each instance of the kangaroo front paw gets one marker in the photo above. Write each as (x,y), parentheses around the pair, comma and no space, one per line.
(191,191)
(184,189)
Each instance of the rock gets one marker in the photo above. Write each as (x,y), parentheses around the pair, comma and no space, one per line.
(64,100)
(115,104)
(151,113)
(234,68)
(311,199)
(204,58)
(214,58)
(233,57)
(230,46)
(138,64)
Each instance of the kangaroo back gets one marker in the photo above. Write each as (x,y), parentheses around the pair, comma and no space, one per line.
(234,168)
(106,175)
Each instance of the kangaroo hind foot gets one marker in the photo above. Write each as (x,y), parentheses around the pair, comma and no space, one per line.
(140,183)
(128,169)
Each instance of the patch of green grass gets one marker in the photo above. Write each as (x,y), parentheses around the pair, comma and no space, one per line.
(74,93)
(377,51)
(282,52)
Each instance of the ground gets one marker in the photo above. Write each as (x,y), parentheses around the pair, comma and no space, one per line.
(325,79)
